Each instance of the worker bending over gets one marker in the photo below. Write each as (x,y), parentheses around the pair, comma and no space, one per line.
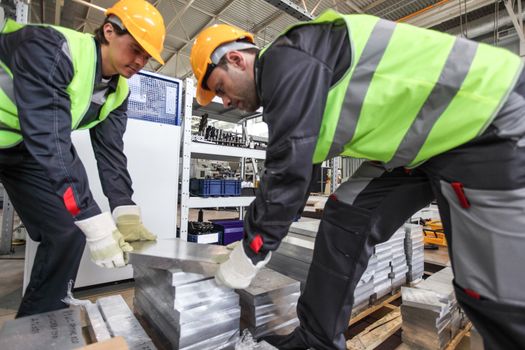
(436,116)
(55,80)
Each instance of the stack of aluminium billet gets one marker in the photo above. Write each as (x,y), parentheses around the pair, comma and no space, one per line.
(382,281)
(268,305)
(414,250)
(176,295)
(398,264)
(430,314)
(188,310)
(386,269)
(365,286)
(294,256)
(120,321)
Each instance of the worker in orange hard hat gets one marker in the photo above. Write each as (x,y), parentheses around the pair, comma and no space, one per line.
(210,46)
(140,20)
(434,116)
(56,80)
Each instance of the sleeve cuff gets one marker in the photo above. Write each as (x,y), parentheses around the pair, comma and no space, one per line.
(126,210)
(88,212)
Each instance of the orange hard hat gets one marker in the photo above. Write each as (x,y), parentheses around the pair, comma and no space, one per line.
(144,22)
(205,44)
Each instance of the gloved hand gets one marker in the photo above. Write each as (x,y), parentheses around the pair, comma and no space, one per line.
(238,271)
(106,244)
(130,224)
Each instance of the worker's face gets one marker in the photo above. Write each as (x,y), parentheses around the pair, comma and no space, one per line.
(125,56)
(236,85)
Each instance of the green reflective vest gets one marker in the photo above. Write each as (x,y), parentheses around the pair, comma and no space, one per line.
(410,93)
(82,52)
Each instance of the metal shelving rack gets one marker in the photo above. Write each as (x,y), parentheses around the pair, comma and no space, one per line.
(192,149)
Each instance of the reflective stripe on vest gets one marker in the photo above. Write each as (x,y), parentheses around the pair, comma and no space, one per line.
(81,49)
(410,93)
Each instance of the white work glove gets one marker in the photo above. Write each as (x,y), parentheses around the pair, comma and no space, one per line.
(129,223)
(238,271)
(106,244)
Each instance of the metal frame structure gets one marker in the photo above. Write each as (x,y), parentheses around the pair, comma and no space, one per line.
(186,18)
(517,21)
(292,9)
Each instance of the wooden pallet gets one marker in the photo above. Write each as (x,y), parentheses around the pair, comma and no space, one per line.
(380,303)
(379,331)
(375,334)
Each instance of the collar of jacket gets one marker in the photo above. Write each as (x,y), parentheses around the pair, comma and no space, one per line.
(257,76)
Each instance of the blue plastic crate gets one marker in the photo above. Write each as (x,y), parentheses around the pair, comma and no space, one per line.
(231,188)
(206,187)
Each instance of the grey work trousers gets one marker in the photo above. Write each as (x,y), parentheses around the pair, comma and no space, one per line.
(480,190)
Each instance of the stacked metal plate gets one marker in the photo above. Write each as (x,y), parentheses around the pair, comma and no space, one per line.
(430,312)
(186,309)
(399,262)
(268,305)
(382,281)
(294,256)
(365,286)
(414,250)
(386,270)
(60,330)
(119,321)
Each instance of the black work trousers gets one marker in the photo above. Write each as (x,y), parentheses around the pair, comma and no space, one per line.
(480,189)
(47,221)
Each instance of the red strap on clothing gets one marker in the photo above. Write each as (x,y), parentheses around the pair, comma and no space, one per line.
(256,244)
(472,294)
(69,201)
(458,188)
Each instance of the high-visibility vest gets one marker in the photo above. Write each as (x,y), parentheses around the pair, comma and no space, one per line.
(83,54)
(410,93)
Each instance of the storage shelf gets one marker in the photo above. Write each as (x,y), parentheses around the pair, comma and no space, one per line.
(212,202)
(192,149)
(219,152)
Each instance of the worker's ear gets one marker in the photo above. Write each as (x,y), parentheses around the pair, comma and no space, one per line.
(236,59)
(108,31)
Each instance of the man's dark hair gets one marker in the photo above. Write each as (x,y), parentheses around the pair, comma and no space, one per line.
(223,62)
(99,32)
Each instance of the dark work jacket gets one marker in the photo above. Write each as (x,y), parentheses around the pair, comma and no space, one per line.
(41,74)
(293,78)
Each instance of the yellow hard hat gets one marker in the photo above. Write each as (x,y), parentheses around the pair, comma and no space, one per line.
(205,44)
(144,22)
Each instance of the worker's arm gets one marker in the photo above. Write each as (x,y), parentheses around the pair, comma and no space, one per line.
(42,71)
(294,89)
(108,146)
(295,75)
